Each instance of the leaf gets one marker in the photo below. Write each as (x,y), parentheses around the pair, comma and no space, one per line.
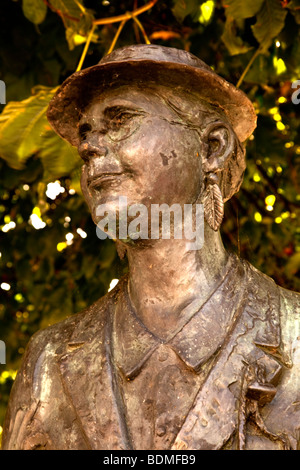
(293,265)
(34,10)
(25,131)
(77,33)
(58,156)
(21,124)
(270,21)
(183,8)
(69,10)
(294,5)
(73,38)
(261,71)
(293,60)
(240,9)
(70,34)
(296,14)
(76,18)
(234,43)
(75,177)
(85,24)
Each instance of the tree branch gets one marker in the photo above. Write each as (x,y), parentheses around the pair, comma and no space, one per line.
(127,15)
(249,65)
(112,46)
(86,47)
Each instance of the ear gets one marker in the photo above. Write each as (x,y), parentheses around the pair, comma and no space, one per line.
(218,142)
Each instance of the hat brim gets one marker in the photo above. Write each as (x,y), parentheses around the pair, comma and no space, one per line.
(65,108)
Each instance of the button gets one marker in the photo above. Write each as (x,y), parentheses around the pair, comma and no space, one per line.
(161,431)
(163,355)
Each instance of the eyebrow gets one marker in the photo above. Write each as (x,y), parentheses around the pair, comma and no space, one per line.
(111,111)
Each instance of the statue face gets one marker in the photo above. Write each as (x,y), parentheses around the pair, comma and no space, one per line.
(134,145)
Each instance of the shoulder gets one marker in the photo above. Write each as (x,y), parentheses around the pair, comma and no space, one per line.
(262,282)
(286,302)
(287,410)
(46,344)
(290,325)
(31,388)
(281,321)
(290,302)
(82,325)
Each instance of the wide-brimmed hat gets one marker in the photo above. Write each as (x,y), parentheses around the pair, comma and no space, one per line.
(155,65)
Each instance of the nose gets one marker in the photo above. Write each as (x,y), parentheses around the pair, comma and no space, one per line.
(91,147)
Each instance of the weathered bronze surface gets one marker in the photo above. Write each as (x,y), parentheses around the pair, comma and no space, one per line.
(193,349)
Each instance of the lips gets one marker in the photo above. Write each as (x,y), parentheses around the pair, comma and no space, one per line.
(99,180)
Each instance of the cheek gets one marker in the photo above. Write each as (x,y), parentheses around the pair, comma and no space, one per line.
(180,180)
(83,183)
(179,168)
(86,194)
(165,164)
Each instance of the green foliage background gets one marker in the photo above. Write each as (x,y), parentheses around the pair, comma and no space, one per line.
(255,43)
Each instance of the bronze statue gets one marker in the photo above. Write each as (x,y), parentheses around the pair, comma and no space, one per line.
(194,348)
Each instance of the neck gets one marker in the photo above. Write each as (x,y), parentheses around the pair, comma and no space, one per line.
(165,278)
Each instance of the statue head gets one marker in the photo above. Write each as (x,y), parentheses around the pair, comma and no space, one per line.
(156,125)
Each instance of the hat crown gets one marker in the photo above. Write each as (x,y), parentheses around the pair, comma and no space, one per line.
(154,53)
(148,63)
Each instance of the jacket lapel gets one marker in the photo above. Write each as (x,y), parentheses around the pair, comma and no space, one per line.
(254,343)
(89,380)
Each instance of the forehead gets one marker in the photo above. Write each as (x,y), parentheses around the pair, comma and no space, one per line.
(149,100)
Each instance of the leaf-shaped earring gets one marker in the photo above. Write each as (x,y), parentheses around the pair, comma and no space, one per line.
(213,203)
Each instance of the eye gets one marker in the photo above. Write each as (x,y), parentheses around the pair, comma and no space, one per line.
(122,122)
(120,119)
(84,129)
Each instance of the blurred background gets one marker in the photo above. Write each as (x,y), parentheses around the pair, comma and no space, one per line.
(52,264)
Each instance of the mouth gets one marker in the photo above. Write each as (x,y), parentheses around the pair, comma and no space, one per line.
(95,182)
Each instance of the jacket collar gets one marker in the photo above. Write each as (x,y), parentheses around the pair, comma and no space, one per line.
(196,342)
